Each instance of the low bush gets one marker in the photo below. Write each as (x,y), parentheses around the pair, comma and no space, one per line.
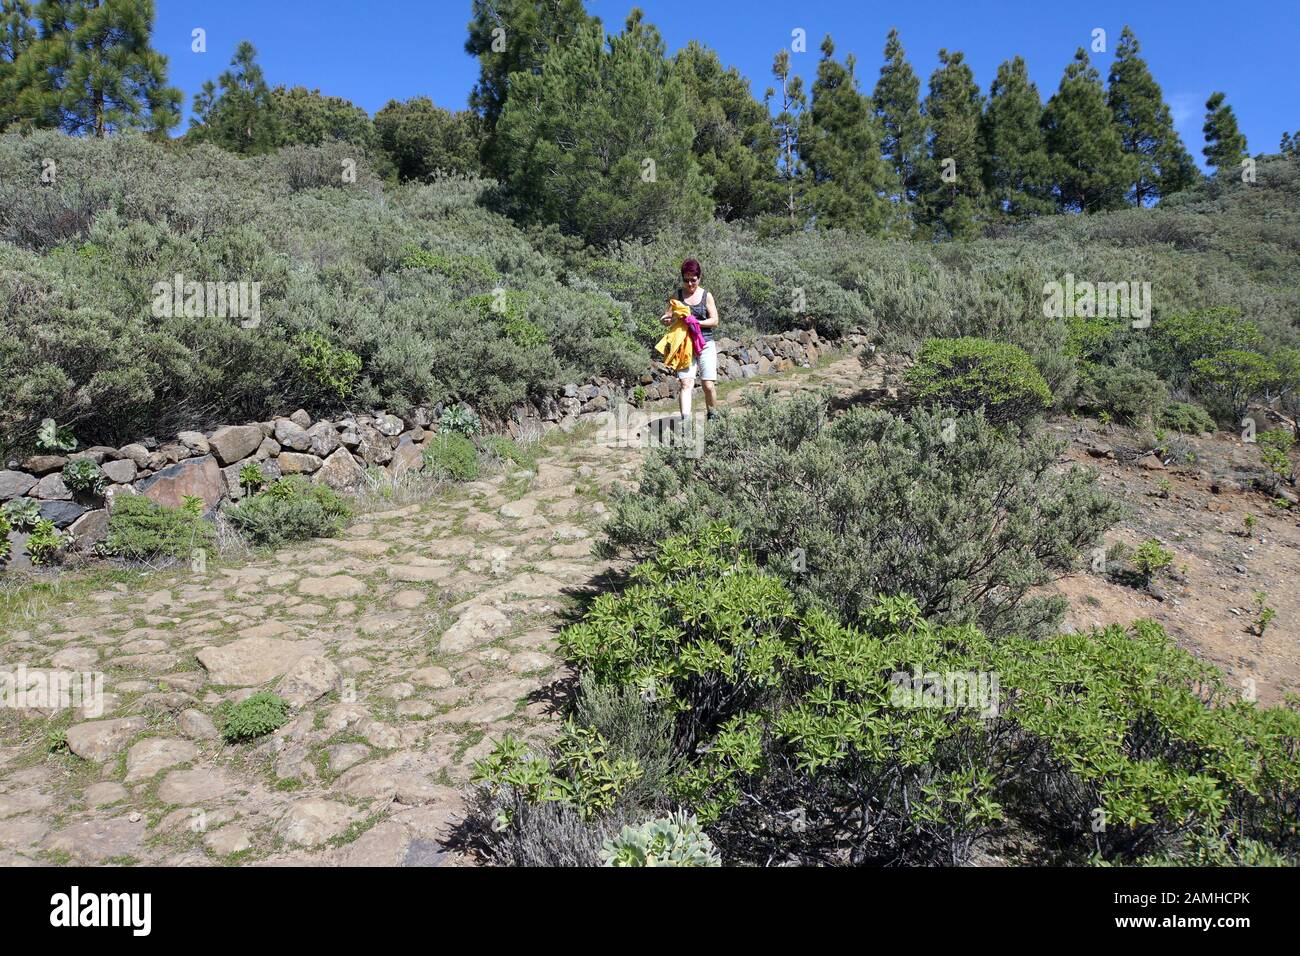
(290,509)
(140,530)
(507,449)
(22,513)
(671,841)
(1187,418)
(968,374)
(5,528)
(254,717)
(46,545)
(1132,395)
(84,477)
(450,456)
(963,516)
(459,419)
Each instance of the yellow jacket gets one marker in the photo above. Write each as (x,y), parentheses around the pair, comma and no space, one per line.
(676,346)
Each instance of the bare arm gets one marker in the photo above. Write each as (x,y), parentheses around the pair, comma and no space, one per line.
(712,321)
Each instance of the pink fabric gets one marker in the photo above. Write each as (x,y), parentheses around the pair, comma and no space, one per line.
(697,337)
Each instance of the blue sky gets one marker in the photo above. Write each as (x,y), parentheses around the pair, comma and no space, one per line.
(370,52)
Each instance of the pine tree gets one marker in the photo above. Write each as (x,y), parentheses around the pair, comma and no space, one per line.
(1017,171)
(92,70)
(848,181)
(17,34)
(735,143)
(513,36)
(1290,145)
(421,138)
(1225,144)
(621,165)
(1090,168)
(952,180)
(787,124)
(897,106)
(1146,127)
(309,117)
(242,116)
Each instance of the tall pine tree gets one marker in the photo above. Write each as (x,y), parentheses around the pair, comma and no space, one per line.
(953,178)
(239,116)
(1163,165)
(898,108)
(92,70)
(1017,171)
(514,36)
(1089,165)
(735,143)
(1225,144)
(788,123)
(17,34)
(840,147)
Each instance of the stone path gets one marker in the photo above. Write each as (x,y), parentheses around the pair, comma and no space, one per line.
(405,647)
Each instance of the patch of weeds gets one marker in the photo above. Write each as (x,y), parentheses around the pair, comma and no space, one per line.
(255,717)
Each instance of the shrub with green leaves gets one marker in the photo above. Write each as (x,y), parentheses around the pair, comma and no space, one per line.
(22,513)
(962,516)
(1132,395)
(5,528)
(84,477)
(670,841)
(251,477)
(141,530)
(967,374)
(1275,449)
(291,508)
(461,420)
(327,371)
(1187,418)
(1150,559)
(507,449)
(255,716)
(450,456)
(55,437)
(46,544)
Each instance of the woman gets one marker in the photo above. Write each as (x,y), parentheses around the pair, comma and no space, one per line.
(705,365)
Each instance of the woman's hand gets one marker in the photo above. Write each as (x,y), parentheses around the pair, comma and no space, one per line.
(666,318)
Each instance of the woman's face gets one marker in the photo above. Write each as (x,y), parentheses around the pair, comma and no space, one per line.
(690,283)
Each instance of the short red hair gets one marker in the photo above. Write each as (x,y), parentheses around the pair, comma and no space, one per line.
(691,267)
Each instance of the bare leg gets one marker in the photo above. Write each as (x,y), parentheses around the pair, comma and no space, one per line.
(710,394)
(686,388)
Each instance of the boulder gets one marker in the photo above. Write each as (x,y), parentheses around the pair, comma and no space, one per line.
(295,463)
(136,453)
(121,472)
(308,680)
(15,484)
(324,439)
(301,418)
(97,740)
(289,434)
(406,458)
(479,624)
(250,661)
(62,513)
(52,488)
(195,442)
(91,528)
(339,471)
(196,477)
(389,425)
(44,464)
(268,449)
(235,442)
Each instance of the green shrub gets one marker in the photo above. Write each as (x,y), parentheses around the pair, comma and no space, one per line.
(1150,559)
(5,528)
(960,515)
(290,509)
(140,530)
(966,374)
(1130,394)
(459,419)
(22,513)
(1187,418)
(327,371)
(84,476)
(54,437)
(450,456)
(251,477)
(672,841)
(255,717)
(1275,448)
(45,544)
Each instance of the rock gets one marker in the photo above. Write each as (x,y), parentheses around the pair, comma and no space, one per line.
(51,488)
(98,840)
(62,513)
(195,442)
(91,528)
(432,677)
(313,821)
(486,712)
(291,435)
(296,463)
(519,509)
(155,754)
(97,740)
(1101,451)
(389,425)
(14,484)
(73,658)
(334,586)
(406,458)
(1150,462)
(197,477)
(44,464)
(308,680)
(324,439)
(344,756)
(478,624)
(121,472)
(235,442)
(227,840)
(301,418)
(250,661)
(105,793)
(339,471)
(188,787)
(196,725)
(135,453)
(269,448)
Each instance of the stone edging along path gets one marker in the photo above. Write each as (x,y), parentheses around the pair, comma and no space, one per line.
(405,647)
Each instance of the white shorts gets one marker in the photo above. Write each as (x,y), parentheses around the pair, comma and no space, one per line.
(705,365)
